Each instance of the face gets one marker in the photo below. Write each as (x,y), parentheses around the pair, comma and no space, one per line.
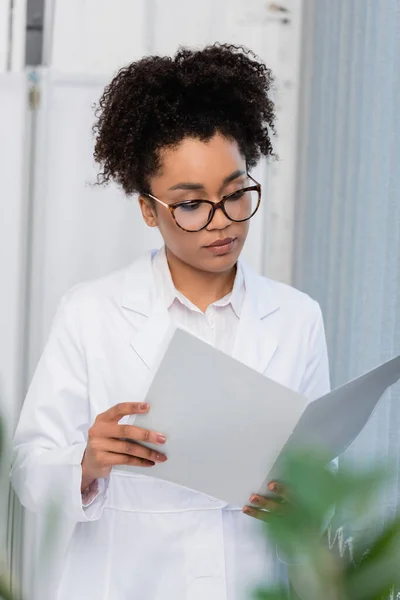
(197,170)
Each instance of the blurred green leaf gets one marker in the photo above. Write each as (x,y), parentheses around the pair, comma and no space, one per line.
(5,593)
(1,439)
(328,568)
(386,543)
(279,593)
(377,567)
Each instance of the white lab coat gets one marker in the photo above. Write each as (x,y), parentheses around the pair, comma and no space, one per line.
(143,538)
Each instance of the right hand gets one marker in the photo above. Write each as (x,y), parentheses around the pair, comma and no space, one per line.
(110,443)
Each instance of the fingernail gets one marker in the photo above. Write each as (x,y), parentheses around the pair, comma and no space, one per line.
(161,457)
(160,439)
(255,500)
(247,510)
(273,487)
(144,406)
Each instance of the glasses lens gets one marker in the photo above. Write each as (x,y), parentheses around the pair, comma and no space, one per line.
(192,216)
(242,205)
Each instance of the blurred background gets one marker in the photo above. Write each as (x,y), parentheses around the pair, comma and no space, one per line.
(330,218)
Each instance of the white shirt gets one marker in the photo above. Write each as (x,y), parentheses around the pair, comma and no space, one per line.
(218,325)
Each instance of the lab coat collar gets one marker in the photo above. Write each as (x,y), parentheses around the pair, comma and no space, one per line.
(166,286)
(255,341)
(260,292)
(139,289)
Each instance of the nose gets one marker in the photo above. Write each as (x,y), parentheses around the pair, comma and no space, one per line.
(219,220)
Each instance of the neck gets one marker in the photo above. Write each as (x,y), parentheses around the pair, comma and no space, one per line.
(200,287)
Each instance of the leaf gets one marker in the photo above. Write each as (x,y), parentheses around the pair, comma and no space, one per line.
(389,538)
(378,569)
(1,439)
(278,593)
(5,592)
(299,533)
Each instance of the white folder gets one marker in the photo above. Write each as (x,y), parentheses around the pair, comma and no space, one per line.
(227,424)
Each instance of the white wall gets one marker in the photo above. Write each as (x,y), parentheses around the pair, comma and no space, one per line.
(79,231)
(99,36)
(4,15)
(279,226)
(12,35)
(13,227)
(95,37)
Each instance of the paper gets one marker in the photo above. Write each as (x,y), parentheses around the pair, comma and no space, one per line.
(334,421)
(227,424)
(331,423)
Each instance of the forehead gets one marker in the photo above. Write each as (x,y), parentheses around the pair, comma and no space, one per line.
(195,161)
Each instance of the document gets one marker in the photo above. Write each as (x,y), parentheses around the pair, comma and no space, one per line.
(228,426)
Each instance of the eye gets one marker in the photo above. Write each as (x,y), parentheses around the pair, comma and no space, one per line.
(236,195)
(191,206)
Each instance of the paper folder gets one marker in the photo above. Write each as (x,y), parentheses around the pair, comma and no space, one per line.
(228,426)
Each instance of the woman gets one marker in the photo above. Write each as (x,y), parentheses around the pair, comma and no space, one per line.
(183,133)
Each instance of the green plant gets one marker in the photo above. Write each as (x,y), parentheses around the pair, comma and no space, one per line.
(322,565)
(48,536)
(5,591)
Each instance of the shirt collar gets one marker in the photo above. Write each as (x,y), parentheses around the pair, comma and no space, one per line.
(169,293)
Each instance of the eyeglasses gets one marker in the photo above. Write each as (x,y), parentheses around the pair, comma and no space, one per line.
(195,215)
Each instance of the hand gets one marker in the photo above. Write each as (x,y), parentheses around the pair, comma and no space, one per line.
(110,443)
(266,506)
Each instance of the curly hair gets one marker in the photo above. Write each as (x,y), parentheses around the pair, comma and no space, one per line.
(156,102)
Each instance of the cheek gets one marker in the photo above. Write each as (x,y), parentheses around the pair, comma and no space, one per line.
(245,229)
(174,237)
(240,231)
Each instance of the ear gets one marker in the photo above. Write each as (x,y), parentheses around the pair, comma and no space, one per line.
(148,211)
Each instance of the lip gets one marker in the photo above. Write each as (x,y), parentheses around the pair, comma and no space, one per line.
(219,243)
(221,247)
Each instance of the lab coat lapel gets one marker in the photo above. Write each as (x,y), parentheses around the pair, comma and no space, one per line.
(149,340)
(140,298)
(256,341)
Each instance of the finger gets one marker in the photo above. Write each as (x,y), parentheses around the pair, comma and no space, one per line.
(279,489)
(126,432)
(262,515)
(137,434)
(267,504)
(133,449)
(112,459)
(115,413)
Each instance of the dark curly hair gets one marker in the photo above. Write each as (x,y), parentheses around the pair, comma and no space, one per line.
(157,101)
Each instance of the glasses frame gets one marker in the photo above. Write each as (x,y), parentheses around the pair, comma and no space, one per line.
(214,205)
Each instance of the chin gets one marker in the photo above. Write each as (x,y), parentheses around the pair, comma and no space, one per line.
(220,264)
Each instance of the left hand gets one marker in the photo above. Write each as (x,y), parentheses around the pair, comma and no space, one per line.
(262,507)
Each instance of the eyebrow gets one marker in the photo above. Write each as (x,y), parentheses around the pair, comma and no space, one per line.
(200,186)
